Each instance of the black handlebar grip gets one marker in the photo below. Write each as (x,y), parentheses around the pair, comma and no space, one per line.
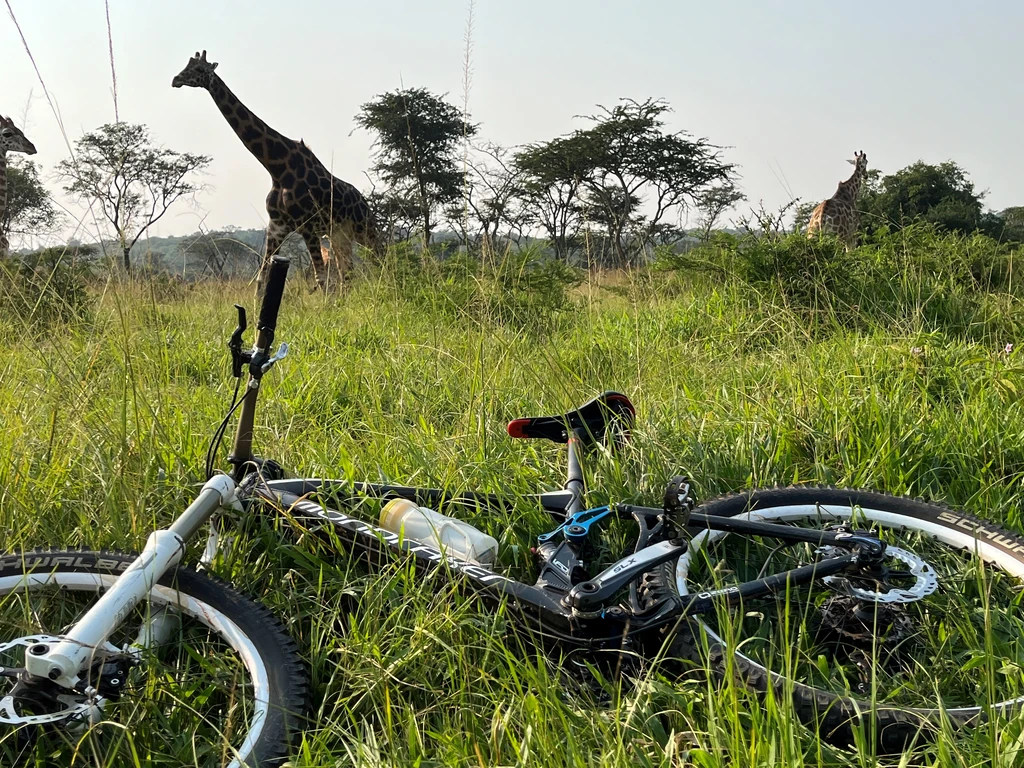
(275,290)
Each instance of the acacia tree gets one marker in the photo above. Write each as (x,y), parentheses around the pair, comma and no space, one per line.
(712,203)
(133,181)
(552,181)
(220,253)
(632,169)
(608,212)
(30,210)
(396,214)
(492,205)
(417,135)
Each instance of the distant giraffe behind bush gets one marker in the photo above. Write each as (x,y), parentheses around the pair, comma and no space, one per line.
(838,214)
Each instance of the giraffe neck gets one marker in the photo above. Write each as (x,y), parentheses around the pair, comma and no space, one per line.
(849,189)
(3,204)
(258,137)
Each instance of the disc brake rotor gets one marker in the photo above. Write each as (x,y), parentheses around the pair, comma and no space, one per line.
(68,705)
(925,580)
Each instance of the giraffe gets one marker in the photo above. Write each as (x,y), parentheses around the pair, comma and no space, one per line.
(11,140)
(304,196)
(838,214)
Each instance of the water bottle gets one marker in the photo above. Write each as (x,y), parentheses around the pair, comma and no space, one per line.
(426,526)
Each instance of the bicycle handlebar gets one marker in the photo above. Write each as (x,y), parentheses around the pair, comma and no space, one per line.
(275,291)
(259,362)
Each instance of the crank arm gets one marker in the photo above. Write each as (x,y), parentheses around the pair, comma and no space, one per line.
(588,595)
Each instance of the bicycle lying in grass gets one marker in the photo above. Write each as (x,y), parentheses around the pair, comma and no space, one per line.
(865,610)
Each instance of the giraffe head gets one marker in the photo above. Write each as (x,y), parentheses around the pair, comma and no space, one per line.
(198,73)
(12,139)
(860,160)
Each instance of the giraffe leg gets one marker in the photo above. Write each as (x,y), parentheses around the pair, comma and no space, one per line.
(854,239)
(317,256)
(325,254)
(342,242)
(276,233)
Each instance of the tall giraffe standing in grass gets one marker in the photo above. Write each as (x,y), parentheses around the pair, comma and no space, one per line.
(11,140)
(838,214)
(304,197)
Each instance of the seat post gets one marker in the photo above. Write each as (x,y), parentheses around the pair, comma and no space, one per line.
(574,480)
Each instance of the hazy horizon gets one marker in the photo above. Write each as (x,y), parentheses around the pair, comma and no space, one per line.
(792,89)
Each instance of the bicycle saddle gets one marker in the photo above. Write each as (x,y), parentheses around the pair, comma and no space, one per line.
(593,417)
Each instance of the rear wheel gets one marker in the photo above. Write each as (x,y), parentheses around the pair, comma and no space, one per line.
(936,635)
(197,674)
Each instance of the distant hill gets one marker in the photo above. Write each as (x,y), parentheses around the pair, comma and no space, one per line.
(226,252)
(234,252)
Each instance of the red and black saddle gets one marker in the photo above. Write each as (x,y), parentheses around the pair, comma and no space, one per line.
(594,418)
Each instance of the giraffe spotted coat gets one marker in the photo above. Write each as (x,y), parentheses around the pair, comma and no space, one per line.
(11,140)
(304,196)
(838,214)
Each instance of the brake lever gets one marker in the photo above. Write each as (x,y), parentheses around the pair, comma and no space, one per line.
(238,358)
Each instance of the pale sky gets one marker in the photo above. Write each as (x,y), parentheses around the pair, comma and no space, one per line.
(793,88)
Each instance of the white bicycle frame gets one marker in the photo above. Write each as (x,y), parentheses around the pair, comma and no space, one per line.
(64,662)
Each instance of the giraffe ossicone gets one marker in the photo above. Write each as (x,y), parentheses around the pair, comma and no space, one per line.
(304,196)
(838,214)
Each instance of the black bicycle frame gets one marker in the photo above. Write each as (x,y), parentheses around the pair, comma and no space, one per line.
(575,610)
(540,605)
(565,602)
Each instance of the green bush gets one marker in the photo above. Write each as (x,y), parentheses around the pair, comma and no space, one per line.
(918,278)
(524,289)
(47,288)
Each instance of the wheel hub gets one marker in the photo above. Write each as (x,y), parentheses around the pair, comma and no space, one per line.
(906,581)
(37,701)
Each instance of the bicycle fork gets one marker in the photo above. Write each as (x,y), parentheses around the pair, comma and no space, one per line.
(63,662)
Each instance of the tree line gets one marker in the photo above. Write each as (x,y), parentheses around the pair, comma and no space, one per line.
(606,194)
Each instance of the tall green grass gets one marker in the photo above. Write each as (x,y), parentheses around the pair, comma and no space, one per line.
(740,380)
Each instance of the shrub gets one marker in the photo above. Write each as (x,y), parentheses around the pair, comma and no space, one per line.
(48,287)
(524,288)
(916,278)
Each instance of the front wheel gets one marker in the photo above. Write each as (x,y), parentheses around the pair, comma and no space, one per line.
(197,674)
(934,635)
